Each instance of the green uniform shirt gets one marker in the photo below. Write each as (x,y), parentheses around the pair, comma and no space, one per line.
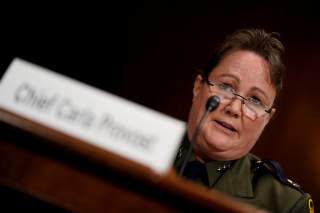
(248,180)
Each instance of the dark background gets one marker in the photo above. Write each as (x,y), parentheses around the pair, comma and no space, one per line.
(149,52)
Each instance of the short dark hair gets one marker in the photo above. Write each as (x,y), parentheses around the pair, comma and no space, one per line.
(267,45)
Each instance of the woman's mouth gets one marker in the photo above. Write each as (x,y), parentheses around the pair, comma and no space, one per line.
(226,126)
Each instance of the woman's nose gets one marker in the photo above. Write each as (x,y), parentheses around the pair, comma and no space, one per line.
(234,107)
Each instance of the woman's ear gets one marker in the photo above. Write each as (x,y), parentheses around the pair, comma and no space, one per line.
(197,87)
(273,112)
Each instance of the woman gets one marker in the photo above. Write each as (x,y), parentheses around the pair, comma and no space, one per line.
(246,73)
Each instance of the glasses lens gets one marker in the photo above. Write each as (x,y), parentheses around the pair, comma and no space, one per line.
(225,91)
(251,114)
(251,109)
(258,109)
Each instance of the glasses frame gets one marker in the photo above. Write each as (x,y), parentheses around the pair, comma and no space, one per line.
(205,79)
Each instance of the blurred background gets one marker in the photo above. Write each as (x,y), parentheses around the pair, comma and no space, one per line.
(149,52)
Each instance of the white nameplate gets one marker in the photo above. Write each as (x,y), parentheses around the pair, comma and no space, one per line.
(92,115)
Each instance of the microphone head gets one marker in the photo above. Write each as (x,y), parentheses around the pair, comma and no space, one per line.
(212,103)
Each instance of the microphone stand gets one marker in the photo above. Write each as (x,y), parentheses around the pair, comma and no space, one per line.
(211,105)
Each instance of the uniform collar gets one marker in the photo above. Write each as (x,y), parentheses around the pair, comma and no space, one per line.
(231,177)
(216,169)
(237,180)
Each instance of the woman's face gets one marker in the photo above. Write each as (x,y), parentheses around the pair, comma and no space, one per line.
(228,133)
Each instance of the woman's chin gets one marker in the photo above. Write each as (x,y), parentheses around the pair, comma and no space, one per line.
(220,147)
(219,141)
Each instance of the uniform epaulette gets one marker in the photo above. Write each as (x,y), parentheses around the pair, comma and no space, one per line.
(276,170)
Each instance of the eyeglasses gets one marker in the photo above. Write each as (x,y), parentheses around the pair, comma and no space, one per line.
(252,107)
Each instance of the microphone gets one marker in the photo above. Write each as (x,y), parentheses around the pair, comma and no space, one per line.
(212,104)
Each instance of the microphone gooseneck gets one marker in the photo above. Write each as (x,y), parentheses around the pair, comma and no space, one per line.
(211,105)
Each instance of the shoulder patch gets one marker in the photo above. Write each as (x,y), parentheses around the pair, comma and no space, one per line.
(310,205)
(276,170)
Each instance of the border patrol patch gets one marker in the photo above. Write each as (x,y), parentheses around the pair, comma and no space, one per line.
(310,205)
